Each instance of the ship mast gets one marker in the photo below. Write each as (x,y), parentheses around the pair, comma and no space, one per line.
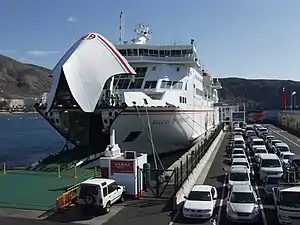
(121,28)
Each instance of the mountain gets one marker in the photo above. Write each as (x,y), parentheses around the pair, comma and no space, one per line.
(25,80)
(257,93)
(18,80)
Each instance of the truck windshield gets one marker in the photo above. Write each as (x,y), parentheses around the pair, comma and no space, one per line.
(242,197)
(239,177)
(270,163)
(290,199)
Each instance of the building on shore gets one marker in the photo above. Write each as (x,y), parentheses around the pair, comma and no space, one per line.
(16,103)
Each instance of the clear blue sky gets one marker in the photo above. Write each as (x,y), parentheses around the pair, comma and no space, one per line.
(241,38)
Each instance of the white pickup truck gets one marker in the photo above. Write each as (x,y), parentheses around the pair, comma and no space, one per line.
(287,205)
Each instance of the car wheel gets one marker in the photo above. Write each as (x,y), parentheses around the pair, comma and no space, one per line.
(107,207)
(122,199)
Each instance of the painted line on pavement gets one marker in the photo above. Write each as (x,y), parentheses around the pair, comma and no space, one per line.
(291,141)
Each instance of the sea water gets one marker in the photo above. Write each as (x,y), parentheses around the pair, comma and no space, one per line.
(26,138)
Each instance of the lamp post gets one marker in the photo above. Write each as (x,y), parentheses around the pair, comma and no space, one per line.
(293,93)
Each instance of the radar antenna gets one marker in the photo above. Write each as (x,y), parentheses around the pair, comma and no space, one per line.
(142,34)
(121,28)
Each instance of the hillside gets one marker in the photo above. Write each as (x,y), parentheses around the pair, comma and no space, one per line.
(22,80)
(258,93)
(26,80)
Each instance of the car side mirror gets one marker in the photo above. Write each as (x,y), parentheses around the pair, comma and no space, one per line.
(259,200)
(184,197)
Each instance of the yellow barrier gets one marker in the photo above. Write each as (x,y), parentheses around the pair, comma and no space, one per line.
(58,171)
(4,168)
(75,172)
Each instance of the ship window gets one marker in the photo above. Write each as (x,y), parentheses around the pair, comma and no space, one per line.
(153,68)
(143,52)
(135,52)
(177,69)
(173,53)
(123,83)
(162,53)
(199,92)
(166,84)
(155,53)
(180,99)
(187,53)
(177,85)
(150,84)
(123,52)
(141,71)
(186,86)
(130,52)
(137,84)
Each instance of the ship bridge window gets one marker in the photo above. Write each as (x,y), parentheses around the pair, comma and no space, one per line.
(153,53)
(177,85)
(143,52)
(166,84)
(150,84)
(199,92)
(176,53)
(123,83)
(123,52)
(139,77)
(132,52)
(187,53)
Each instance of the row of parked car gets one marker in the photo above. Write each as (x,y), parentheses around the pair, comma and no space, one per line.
(275,166)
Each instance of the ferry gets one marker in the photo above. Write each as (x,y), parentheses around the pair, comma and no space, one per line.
(158,98)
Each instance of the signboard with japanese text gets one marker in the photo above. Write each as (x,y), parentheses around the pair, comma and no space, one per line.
(121,166)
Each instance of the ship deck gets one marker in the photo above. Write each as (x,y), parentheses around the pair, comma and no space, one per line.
(37,190)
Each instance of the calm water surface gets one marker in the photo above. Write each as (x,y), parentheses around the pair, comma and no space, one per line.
(26,138)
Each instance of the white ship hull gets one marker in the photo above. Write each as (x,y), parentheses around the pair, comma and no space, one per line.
(169,129)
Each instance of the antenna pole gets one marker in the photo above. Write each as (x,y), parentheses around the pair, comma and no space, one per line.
(121,28)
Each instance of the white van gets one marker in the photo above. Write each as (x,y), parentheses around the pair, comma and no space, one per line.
(99,193)
(269,164)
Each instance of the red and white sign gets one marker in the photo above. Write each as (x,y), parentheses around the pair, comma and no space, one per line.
(121,166)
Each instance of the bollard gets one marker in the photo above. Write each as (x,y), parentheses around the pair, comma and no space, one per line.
(58,170)
(75,172)
(4,168)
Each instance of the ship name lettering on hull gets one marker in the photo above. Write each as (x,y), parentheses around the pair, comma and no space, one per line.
(160,121)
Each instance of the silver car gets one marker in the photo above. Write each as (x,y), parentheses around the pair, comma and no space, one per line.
(242,204)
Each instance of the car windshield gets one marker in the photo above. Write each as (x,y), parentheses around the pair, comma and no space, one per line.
(273,180)
(240,164)
(238,177)
(270,163)
(275,142)
(199,196)
(283,149)
(238,152)
(86,189)
(290,199)
(260,150)
(238,142)
(258,142)
(263,129)
(270,137)
(239,156)
(242,197)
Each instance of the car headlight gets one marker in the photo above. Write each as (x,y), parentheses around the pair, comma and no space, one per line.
(285,218)
(229,209)
(256,210)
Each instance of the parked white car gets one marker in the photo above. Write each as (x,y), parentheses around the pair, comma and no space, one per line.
(242,204)
(239,175)
(201,202)
(99,193)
